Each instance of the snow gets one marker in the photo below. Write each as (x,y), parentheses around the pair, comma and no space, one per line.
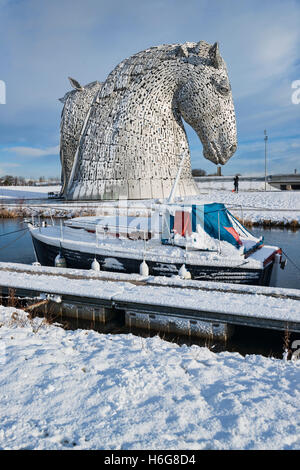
(27,192)
(226,183)
(84,390)
(83,241)
(281,200)
(226,303)
(250,203)
(276,206)
(113,263)
(174,281)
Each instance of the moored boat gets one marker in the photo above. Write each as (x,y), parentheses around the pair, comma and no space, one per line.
(199,241)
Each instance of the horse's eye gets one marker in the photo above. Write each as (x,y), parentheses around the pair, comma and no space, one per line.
(223,89)
(221,85)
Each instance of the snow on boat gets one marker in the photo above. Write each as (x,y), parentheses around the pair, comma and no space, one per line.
(202,242)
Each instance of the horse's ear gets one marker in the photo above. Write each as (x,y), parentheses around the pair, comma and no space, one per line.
(75,84)
(181,51)
(214,54)
(201,46)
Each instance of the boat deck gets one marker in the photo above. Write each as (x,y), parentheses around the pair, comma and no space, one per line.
(84,242)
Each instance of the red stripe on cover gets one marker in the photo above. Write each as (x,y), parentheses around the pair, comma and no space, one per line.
(182,223)
(234,233)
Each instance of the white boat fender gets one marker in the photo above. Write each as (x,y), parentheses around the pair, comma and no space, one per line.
(283,263)
(60,261)
(144,269)
(95,266)
(275,271)
(184,273)
(54,298)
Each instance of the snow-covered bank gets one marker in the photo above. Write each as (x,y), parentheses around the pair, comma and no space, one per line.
(255,207)
(84,390)
(282,200)
(27,192)
(259,207)
(226,183)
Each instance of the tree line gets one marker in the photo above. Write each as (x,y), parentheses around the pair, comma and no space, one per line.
(9,180)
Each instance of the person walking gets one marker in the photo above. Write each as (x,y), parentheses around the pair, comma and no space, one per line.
(236,183)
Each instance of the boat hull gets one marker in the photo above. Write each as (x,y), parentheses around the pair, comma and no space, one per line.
(47,253)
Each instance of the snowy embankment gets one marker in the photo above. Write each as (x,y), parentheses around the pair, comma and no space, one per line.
(255,207)
(26,192)
(84,390)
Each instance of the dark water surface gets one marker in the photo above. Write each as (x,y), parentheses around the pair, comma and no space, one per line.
(289,242)
(16,247)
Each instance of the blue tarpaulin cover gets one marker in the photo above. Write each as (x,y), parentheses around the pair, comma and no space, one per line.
(213,219)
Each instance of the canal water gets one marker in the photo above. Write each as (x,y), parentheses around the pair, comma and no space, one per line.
(17,248)
(289,242)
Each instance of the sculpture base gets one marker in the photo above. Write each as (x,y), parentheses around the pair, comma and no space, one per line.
(129,189)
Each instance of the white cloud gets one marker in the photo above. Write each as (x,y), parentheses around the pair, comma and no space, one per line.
(31,152)
(10,165)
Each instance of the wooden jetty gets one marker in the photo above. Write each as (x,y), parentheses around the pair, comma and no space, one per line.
(156,303)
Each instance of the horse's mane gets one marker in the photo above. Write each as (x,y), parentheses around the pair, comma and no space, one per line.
(135,67)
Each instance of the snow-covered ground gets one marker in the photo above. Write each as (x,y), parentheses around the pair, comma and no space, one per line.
(277,200)
(84,390)
(256,207)
(226,183)
(252,205)
(26,192)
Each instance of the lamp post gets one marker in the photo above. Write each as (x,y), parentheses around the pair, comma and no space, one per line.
(266,140)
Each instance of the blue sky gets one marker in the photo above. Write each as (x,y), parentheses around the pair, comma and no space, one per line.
(42,42)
